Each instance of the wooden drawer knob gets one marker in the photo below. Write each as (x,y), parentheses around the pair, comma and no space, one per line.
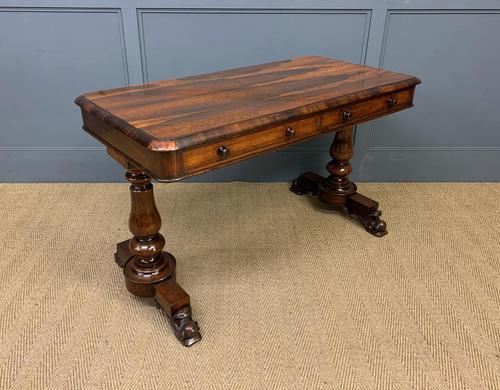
(391,101)
(223,152)
(289,132)
(346,116)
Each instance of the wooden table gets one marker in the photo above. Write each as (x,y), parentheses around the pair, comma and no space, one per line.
(173,129)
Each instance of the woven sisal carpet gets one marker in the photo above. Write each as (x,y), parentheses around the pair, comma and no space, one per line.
(288,294)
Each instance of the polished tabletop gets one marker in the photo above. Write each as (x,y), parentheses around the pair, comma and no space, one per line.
(173,114)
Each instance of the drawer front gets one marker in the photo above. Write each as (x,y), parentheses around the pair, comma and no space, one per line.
(352,114)
(220,153)
(217,154)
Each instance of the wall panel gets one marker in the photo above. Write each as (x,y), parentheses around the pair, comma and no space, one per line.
(50,56)
(179,43)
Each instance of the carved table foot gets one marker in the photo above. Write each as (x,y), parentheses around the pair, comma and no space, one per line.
(307,182)
(367,211)
(149,271)
(175,303)
(336,189)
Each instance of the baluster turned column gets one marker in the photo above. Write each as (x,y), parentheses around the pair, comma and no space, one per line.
(336,187)
(149,264)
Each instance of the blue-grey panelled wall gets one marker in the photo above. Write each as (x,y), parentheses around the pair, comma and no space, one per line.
(52,51)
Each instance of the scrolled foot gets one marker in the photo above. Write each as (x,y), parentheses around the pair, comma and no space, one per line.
(296,188)
(366,210)
(185,328)
(307,182)
(176,304)
(374,224)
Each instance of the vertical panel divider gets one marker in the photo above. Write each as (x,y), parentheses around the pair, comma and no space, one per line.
(132,47)
(373,53)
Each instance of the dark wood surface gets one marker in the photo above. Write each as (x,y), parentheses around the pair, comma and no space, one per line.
(175,128)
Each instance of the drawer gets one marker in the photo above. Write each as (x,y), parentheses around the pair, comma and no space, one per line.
(216,154)
(368,109)
(220,153)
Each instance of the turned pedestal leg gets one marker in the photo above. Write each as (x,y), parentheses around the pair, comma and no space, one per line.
(150,272)
(337,190)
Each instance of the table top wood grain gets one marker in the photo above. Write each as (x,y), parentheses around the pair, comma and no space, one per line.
(176,114)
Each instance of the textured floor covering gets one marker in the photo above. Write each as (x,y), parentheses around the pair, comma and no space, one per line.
(289,295)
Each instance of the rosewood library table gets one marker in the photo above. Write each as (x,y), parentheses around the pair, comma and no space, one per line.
(173,129)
